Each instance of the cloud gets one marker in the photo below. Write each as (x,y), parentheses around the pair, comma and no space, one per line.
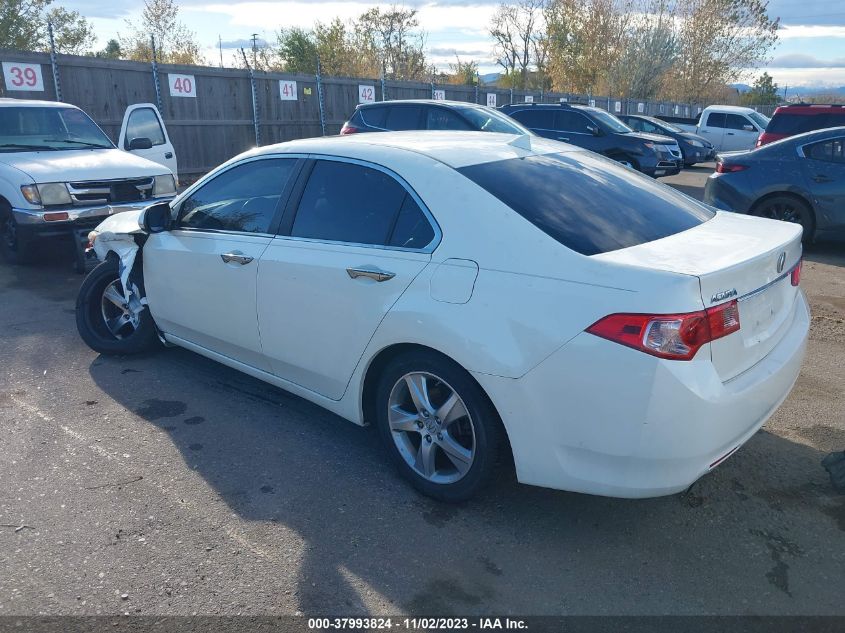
(244,43)
(800,60)
(442,51)
(788,32)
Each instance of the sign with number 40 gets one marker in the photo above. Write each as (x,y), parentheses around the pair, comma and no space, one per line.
(182,85)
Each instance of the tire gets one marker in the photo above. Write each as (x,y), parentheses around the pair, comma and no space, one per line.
(471,431)
(93,309)
(13,248)
(788,209)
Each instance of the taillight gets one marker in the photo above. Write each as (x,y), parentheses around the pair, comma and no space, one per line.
(348,129)
(795,275)
(759,142)
(671,336)
(722,168)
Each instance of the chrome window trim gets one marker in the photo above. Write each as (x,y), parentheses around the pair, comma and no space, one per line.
(427,249)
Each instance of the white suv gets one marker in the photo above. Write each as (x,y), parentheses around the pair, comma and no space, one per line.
(60,175)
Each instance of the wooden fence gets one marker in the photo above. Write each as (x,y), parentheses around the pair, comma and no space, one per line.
(218,120)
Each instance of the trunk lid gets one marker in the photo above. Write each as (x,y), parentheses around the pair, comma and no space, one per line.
(734,257)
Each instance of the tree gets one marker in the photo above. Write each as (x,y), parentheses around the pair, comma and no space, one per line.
(763,92)
(72,34)
(719,40)
(390,39)
(297,50)
(23,26)
(175,43)
(520,43)
(111,51)
(463,73)
(338,57)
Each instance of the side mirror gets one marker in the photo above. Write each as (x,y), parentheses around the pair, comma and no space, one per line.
(594,130)
(748,128)
(157,218)
(141,142)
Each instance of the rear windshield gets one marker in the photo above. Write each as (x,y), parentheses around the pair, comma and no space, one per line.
(588,203)
(794,123)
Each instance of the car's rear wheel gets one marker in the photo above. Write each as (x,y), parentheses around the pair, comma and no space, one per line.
(788,209)
(14,248)
(106,321)
(439,427)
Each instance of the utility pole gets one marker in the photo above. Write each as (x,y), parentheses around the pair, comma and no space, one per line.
(220,44)
(254,50)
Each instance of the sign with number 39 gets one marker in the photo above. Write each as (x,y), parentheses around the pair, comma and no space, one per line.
(19,76)
(182,85)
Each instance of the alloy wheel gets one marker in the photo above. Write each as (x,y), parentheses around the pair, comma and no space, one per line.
(120,317)
(431,427)
(785,211)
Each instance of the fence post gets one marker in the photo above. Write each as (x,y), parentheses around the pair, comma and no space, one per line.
(56,83)
(155,75)
(511,94)
(432,90)
(477,82)
(254,100)
(320,97)
(383,88)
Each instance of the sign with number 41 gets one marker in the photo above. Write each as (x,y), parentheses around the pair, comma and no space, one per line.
(20,76)
(287,90)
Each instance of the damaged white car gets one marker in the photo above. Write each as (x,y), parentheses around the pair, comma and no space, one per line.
(472,294)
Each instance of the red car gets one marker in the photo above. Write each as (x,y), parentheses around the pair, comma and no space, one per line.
(798,118)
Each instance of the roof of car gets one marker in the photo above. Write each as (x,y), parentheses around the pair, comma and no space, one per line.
(441,102)
(731,108)
(811,108)
(10,102)
(456,149)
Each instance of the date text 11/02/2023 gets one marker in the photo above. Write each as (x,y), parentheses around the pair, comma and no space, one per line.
(423,624)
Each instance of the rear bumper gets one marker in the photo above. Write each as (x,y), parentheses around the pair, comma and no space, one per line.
(600,418)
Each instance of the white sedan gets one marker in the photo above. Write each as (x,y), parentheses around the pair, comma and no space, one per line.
(476,296)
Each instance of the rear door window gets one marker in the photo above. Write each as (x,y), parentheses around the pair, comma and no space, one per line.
(374,116)
(588,203)
(832,151)
(403,118)
(536,119)
(715,119)
(356,204)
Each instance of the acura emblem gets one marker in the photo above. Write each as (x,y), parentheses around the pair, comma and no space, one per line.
(781,261)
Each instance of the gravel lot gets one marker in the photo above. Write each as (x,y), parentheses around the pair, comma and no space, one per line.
(168,484)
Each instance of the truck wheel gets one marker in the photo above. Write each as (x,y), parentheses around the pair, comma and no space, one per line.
(13,247)
(105,321)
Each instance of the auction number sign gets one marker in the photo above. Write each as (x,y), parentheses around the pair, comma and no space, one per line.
(20,76)
(366,94)
(529,98)
(438,95)
(287,90)
(491,99)
(182,85)
(640,108)
(617,106)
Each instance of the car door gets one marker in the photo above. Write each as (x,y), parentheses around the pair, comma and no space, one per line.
(740,133)
(437,118)
(201,276)
(577,129)
(712,127)
(350,244)
(541,122)
(143,120)
(823,166)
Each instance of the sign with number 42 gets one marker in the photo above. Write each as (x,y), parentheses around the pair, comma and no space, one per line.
(366,94)
(287,90)
(182,85)
(20,76)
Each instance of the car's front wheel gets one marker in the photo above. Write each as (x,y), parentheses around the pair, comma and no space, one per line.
(106,321)
(14,248)
(438,425)
(788,209)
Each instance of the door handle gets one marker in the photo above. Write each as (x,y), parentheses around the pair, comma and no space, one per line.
(563,138)
(378,275)
(168,154)
(236,257)
(821,178)
(729,133)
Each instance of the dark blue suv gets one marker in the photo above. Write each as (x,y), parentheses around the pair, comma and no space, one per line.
(599,131)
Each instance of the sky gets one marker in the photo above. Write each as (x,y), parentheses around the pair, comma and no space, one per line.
(811,50)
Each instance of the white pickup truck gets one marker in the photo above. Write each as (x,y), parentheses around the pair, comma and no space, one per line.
(728,128)
(60,175)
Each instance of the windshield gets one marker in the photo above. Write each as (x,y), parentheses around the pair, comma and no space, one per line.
(610,121)
(759,119)
(49,129)
(488,120)
(665,126)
